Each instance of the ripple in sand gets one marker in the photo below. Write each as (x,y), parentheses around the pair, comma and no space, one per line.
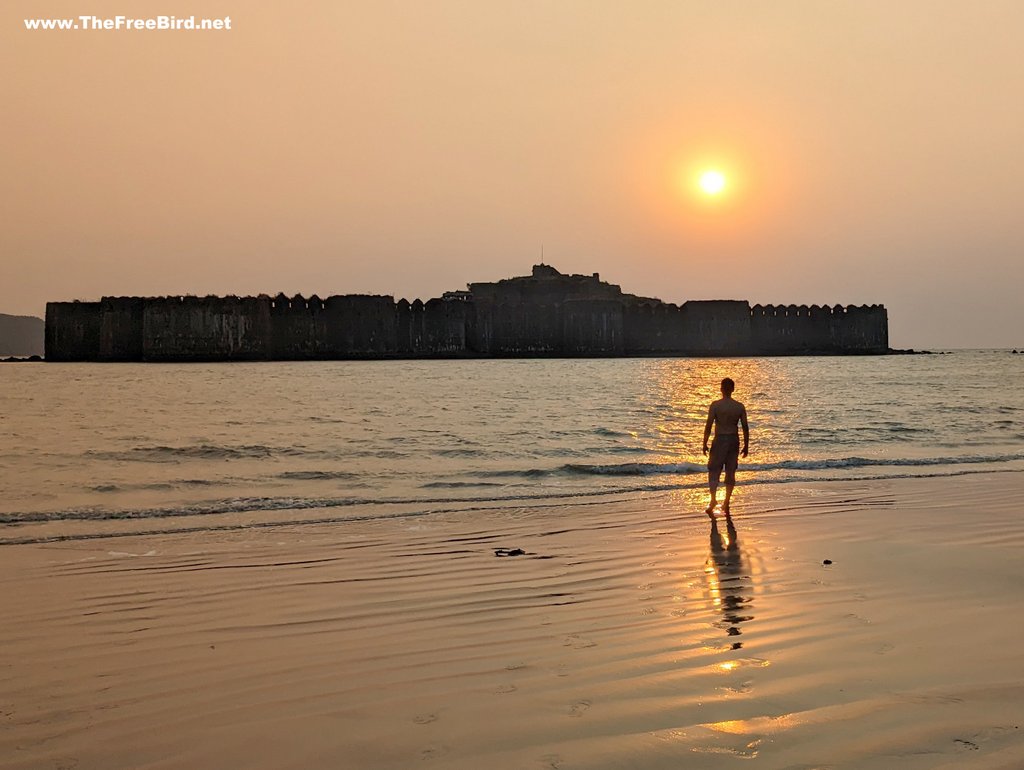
(577,642)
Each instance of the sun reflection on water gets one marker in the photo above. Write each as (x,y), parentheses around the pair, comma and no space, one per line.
(682,389)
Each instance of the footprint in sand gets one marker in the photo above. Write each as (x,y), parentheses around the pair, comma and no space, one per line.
(434,752)
(884,648)
(424,719)
(857,619)
(648,611)
(515,666)
(505,689)
(983,736)
(577,642)
(552,761)
(578,708)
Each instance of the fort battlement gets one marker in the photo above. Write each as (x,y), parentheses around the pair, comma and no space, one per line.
(543,314)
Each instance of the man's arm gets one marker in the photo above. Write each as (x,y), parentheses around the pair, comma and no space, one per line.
(708,424)
(746,430)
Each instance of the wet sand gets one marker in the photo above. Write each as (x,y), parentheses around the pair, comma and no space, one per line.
(632,634)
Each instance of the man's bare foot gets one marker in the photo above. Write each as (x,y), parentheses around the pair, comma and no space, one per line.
(710,510)
(725,508)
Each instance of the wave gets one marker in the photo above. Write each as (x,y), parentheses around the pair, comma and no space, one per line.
(684,468)
(633,469)
(459,484)
(170,454)
(316,475)
(158,454)
(253,505)
(163,485)
(458,452)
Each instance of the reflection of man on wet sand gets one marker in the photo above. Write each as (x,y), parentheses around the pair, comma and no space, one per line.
(732,578)
(726,414)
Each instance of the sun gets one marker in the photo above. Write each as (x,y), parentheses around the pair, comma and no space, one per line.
(712,182)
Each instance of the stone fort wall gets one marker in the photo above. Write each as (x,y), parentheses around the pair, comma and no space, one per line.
(546,314)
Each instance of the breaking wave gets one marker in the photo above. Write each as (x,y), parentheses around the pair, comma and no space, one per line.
(648,469)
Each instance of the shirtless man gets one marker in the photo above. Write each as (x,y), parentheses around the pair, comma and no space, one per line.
(725,414)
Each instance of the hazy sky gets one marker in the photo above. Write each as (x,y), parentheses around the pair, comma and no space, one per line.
(874,152)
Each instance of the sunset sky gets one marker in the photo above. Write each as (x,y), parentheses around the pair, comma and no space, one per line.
(872,151)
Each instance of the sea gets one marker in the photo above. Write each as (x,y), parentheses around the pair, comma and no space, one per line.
(105,450)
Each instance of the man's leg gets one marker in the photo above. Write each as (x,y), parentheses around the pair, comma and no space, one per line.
(730,479)
(713,476)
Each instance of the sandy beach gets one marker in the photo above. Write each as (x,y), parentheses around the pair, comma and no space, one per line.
(631,634)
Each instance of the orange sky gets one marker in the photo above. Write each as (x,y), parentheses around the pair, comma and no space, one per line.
(410,147)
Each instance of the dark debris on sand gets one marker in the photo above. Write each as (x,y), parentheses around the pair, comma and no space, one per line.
(509,552)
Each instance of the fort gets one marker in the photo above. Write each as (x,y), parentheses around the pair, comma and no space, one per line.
(546,313)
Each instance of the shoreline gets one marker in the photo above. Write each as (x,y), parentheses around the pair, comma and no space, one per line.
(628,634)
(49,527)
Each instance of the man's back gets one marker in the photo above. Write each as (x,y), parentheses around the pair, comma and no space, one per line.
(727,413)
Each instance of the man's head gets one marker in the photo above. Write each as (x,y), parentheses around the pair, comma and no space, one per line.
(728,386)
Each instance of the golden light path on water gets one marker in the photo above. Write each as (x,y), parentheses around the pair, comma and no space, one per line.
(688,386)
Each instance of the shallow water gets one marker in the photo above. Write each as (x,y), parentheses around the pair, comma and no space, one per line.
(231,445)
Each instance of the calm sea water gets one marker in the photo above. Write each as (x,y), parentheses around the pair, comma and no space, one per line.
(89,450)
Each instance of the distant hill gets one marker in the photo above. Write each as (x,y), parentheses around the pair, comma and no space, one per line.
(21,335)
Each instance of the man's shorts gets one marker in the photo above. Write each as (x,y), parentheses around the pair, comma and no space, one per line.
(725,453)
